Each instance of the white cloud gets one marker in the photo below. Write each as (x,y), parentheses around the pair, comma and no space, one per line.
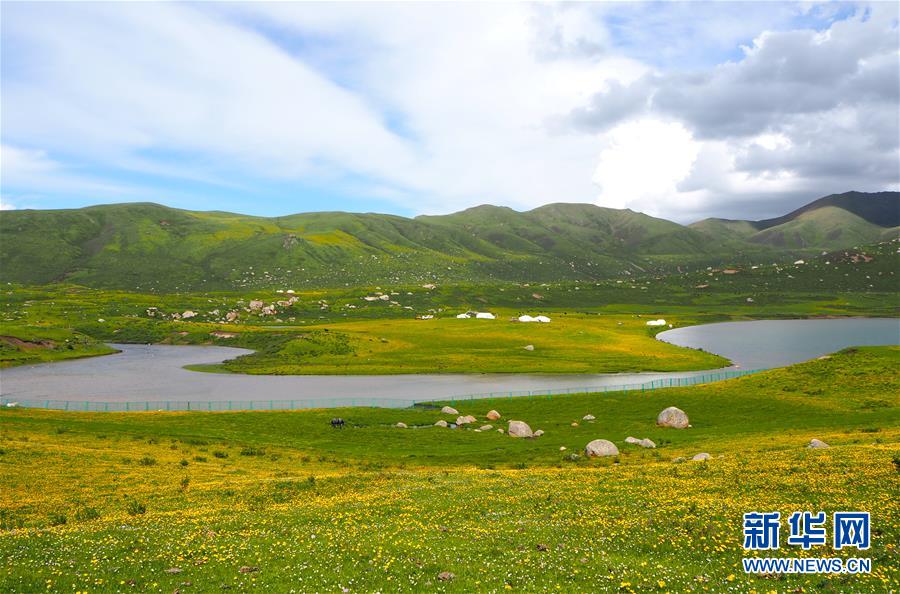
(642,165)
(435,106)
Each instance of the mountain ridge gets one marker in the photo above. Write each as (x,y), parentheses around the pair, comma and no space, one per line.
(148,246)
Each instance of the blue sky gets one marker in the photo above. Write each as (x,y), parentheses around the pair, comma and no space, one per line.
(681,110)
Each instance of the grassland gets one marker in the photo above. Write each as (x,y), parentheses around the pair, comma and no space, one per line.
(279,501)
(340,331)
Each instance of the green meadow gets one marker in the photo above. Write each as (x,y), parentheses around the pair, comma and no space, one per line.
(280,501)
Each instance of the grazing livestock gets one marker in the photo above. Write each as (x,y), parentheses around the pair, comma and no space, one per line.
(337,423)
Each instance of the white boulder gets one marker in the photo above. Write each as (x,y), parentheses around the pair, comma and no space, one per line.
(817,444)
(588,418)
(449,410)
(538,433)
(465,419)
(485,427)
(673,417)
(441,423)
(601,447)
(492,415)
(701,457)
(519,429)
(400,425)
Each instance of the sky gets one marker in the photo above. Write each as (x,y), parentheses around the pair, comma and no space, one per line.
(678,110)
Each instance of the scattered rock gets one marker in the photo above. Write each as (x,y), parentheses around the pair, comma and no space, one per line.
(248,569)
(449,410)
(466,419)
(538,433)
(485,427)
(520,429)
(701,457)
(817,444)
(601,447)
(673,417)
(562,448)
(441,423)
(529,347)
(632,440)
(401,425)
(646,443)
(445,576)
(500,430)
(588,418)
(492,415)
(574,424)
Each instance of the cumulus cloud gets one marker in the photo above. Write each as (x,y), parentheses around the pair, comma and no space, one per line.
(831,98)
(436,107)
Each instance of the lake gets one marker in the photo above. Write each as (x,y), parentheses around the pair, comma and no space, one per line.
(154,373)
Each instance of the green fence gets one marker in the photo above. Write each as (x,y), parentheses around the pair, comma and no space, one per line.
(307,403)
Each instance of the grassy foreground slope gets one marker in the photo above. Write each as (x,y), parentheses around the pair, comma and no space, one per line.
(279,501)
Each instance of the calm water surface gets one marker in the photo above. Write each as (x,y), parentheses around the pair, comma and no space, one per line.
(154,373)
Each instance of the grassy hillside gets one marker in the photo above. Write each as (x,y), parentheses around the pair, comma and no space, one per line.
(828,227)
(830,223)
(280,501)
(152,248)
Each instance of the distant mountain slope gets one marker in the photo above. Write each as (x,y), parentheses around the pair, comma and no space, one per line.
(150,247)
(832,222)
(879,208)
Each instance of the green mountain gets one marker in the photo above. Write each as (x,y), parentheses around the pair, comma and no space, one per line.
(149,247)
(832,222)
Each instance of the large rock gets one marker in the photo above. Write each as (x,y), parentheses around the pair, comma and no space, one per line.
(528,347)
(486,427)
(449,410)
(701,457)
(673,417)
(632,440)
(646,443)
(465,420)
(441,423)
(817,444)
(492,415)
(588,418)
(601,447)
(519,429)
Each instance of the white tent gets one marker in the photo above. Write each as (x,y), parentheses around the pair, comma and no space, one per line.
(462,316)
(483,315)
(526,318)
(543,319)
(659,322)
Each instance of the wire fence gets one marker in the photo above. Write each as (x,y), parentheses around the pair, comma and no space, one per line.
(340,402)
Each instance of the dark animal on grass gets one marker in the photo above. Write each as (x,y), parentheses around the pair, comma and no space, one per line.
(337,423)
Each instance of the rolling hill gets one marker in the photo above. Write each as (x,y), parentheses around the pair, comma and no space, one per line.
(832,222)
(149,247)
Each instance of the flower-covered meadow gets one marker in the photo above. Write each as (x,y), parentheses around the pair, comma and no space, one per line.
(149,502)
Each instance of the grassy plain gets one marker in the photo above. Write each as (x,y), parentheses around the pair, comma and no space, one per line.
(279,501)
(340,331)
